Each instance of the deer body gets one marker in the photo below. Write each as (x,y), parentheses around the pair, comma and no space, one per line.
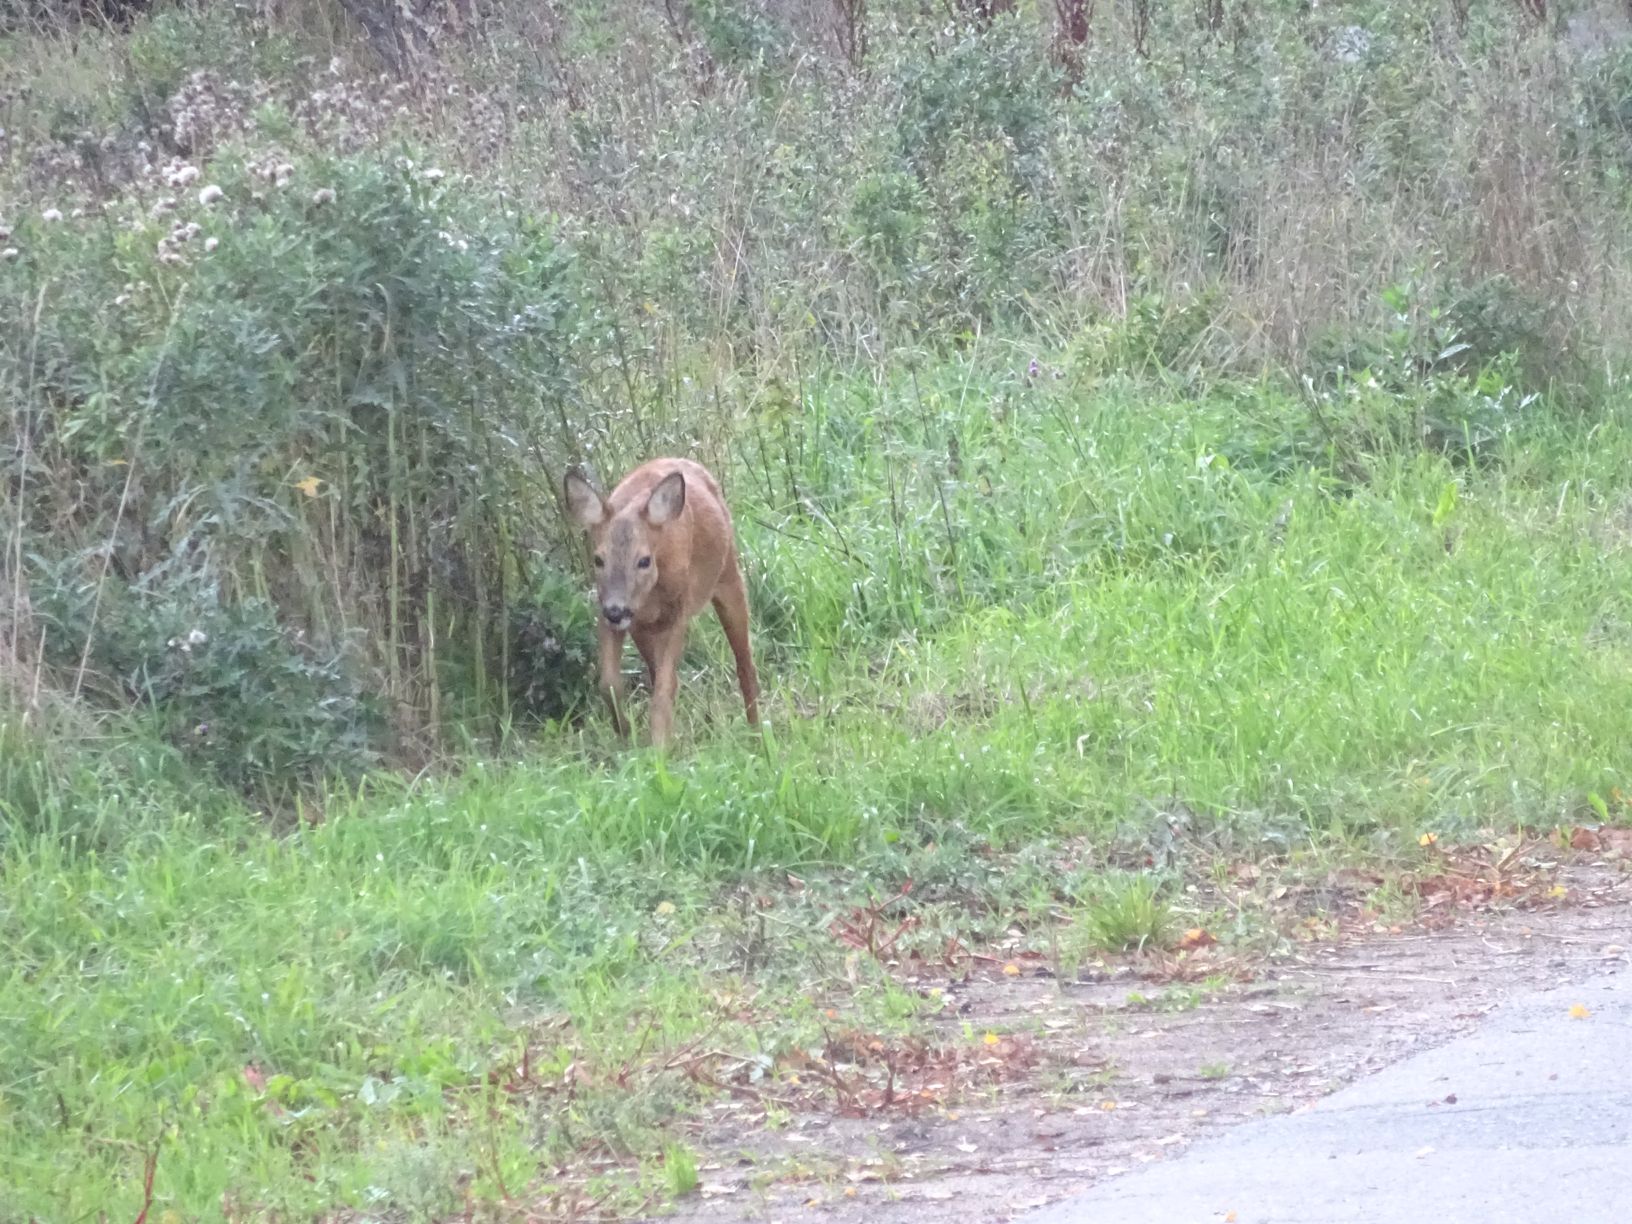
(664,549)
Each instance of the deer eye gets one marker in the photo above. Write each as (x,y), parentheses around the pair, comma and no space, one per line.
(644,563)
(599,561)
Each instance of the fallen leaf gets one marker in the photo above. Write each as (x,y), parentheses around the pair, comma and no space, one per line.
(1011,970)
(1579,1012)
(991,1039)
(1427,1151)
(967,1148)
(309,486)
(665,908)
(1196,937)
(1428,839)
(1229,1217)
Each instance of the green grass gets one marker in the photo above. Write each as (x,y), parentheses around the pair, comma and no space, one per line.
(1125,913)
(680,1170)
(1101,622)
(1027,639)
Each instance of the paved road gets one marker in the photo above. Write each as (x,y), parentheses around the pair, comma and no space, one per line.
(1539,1130)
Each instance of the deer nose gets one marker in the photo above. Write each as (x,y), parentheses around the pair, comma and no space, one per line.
(615,614)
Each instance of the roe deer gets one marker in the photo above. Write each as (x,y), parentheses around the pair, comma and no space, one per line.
(664,547)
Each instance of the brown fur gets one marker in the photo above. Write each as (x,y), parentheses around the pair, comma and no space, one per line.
(672,511)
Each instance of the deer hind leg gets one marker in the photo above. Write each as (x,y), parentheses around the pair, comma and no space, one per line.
(731,604)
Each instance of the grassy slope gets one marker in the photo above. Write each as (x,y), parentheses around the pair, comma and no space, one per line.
(1005,624)
(1126,603)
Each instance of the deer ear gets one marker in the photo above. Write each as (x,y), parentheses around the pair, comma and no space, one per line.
(667,500)
(584,500)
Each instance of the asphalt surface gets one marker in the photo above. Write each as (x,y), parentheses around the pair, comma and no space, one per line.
(1528,1119)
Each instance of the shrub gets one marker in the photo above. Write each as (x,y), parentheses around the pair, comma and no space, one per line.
(306,407)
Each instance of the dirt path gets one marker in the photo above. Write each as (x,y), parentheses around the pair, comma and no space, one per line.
(1087,1079)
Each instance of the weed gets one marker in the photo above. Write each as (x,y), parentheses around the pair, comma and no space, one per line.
(679,1170)
(1125,912)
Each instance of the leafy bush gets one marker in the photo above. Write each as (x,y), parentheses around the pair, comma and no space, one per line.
(258,704)
(300,405)
(986,84)
(737,33)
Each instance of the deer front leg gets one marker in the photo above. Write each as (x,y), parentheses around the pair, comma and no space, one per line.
(663,648)
(612,676)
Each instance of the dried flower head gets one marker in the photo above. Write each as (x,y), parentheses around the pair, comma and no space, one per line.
(210,194)
(51,214)
(323,195)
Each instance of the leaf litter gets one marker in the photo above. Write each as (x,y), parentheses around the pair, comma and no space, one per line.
(1030,1085)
